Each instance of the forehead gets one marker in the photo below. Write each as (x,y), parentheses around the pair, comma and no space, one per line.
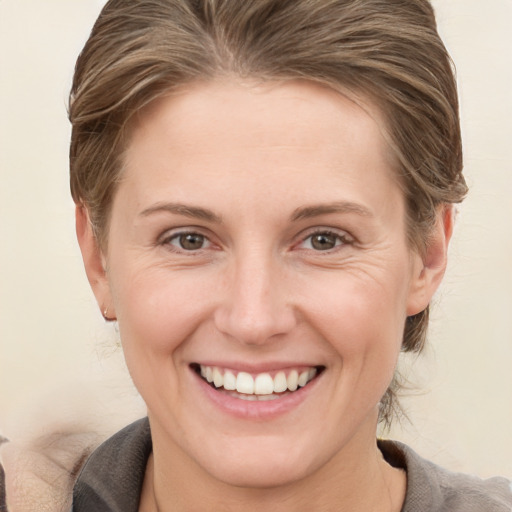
(216,97)
(302,133)
(249,113)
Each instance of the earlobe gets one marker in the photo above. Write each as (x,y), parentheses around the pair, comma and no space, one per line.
(430,267)
(94,262)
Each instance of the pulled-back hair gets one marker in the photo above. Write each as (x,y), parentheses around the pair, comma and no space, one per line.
(386,50)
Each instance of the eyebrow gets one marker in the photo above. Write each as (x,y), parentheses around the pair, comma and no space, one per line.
(194,212)
(305,212)
(308,212)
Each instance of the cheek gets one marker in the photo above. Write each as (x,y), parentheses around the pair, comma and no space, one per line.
(362,321)
(158,311)
(157,314)
(367,345)
(363,312)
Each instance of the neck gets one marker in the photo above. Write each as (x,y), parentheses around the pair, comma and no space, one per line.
(353,480)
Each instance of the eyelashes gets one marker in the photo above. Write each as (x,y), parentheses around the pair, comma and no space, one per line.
(320,240)
(325,240)
(188,241)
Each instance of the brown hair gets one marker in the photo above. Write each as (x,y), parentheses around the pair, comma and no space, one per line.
(388,50)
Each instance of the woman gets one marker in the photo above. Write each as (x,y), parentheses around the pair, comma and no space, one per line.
(264,201)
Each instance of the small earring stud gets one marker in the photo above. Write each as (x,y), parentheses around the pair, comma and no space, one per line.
(106,317)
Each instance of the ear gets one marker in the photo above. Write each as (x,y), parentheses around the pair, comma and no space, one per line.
(429,268)
(94,262)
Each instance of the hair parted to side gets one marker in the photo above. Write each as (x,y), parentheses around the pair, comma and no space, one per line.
(386,50)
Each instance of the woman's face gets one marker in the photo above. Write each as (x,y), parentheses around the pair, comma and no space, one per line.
(258,235)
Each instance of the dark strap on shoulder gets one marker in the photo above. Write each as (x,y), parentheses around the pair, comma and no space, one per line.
(3,494)
(3,503)
(111,479)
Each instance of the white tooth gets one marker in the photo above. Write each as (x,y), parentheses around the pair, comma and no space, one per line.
(280,383)
(303,378)
(203,371)
(293,380)
(245,383)
(209,374)
(264,384)
(218,379)
(229,381)
(312,374)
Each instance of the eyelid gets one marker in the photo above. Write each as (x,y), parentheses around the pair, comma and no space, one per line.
(183,230)
(165,238)
(344,236)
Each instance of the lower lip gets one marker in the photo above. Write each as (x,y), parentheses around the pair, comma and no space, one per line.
(254,409)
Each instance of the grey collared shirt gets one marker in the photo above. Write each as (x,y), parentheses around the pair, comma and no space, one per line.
(3,498)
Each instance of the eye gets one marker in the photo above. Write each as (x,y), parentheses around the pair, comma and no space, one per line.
(188,241)
(325,240)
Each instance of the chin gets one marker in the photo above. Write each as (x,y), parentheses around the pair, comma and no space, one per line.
(264,475)
(259,465)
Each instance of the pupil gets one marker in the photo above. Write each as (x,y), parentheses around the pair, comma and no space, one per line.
(191,242)
(324,242)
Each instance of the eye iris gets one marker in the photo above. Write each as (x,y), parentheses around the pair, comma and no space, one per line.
(323,241)
(191,241)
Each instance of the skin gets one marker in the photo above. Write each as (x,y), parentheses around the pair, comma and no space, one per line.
(258,294)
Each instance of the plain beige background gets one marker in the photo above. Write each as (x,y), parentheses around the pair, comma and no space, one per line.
(58,361)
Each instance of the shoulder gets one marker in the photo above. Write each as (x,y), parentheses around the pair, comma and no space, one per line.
(38,472)
(431,488)
(112,477)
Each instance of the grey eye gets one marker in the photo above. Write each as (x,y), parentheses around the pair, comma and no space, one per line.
(327,240)
(324,241)
(189,241)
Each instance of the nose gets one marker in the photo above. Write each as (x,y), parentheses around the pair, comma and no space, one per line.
(255,307)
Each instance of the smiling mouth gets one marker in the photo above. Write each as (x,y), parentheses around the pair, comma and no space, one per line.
(261,386)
